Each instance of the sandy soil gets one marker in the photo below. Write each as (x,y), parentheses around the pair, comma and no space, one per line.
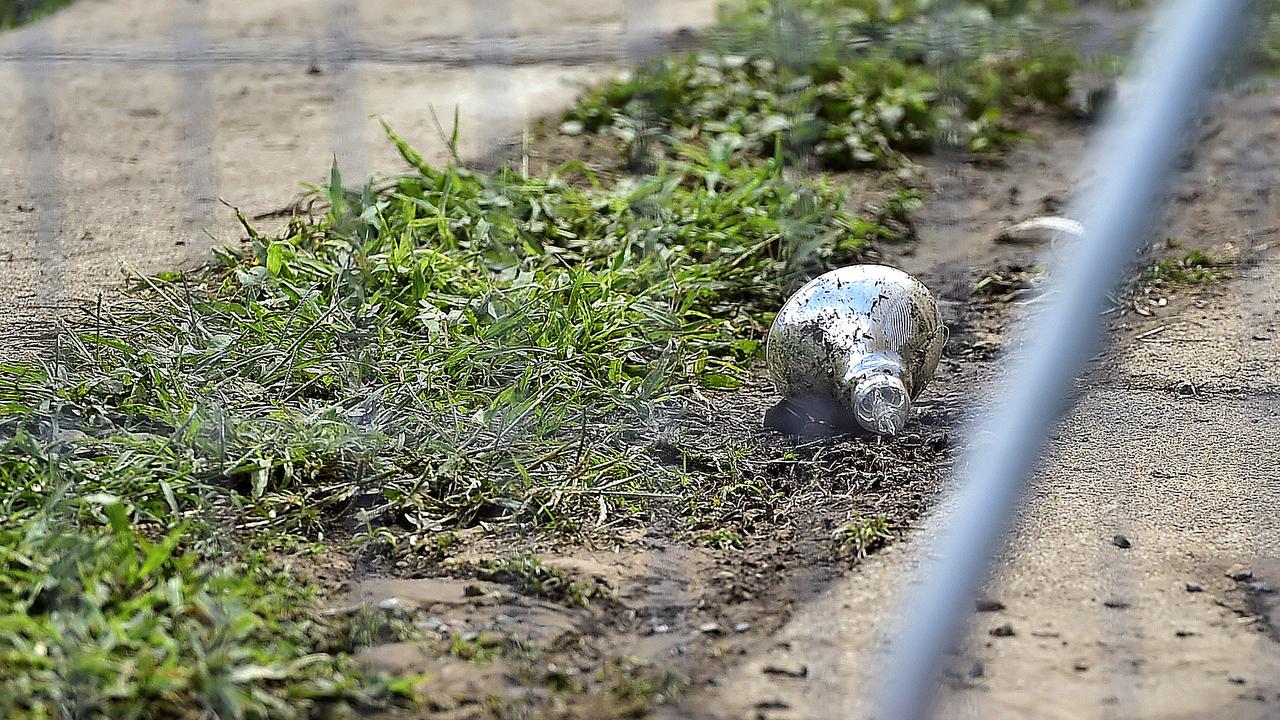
(1172,443)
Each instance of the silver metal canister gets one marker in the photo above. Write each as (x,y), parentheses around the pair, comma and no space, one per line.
(861,341)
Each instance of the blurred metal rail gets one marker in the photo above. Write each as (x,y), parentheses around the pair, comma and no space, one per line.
(197,112)
(569,48)
(494,44)
(1132,161)
(347,114)
(43,140)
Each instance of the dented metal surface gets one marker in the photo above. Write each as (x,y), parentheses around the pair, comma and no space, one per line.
(868,337)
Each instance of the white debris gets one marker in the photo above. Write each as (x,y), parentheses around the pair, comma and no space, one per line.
(1039,230)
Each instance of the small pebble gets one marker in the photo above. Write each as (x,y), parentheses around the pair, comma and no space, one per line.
(988,605)
(791,671)
(742,627)
(1005,630)
(1121,542)
(1081,666)
(1261,586)
(1239,573)
(1194,587)
(391,603)
(661,629)
(1236,680)
(709,628)
(1185,633)
(1116,604)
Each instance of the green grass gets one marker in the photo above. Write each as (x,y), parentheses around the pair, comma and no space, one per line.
(1194,268)
(97,620)
(18,12)
(459,348)
(482,648)
(529,576)
(721,539)
(863,535)
(635,686)
(850,83)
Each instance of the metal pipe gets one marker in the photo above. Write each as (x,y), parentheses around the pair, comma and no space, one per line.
(197,112)
(1133,159)
(347,115)
(43,144)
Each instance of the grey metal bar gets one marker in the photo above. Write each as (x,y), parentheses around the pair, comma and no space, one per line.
(348,113)
(638,20)
(197,112)
(570,48)
(43,139)
(1133,158)
(492,23)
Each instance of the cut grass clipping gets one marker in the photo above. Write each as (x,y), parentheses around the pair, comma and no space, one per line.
(850,83)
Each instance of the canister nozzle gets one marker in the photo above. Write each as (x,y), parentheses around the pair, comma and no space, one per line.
(881,404)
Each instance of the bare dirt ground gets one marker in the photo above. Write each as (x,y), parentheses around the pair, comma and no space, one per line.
(1172,443)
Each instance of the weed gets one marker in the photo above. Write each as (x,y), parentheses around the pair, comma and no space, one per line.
(481,647)
(529,576)
(863,535)
(366,626)
(635,686)
(864,87)
(459,347)
(721,539)
(1194,268)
